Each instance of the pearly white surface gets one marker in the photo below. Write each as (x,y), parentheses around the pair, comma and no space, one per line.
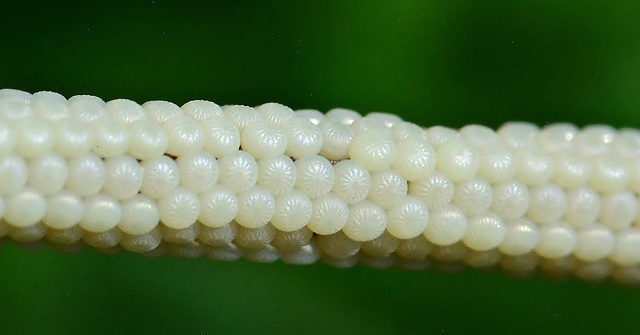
(439,135)
(200,110)
(478,136)
(510,200)
(14,108)
(375,151)
(292,211)
(277,174)
(369,124)
(267,183)
(275,113)
(618,210)
(593,140)
(329,214)
(387,119)
(407,218)
(387,188)
(160,176)
(218,206)
(71,138)
(533,167)
(34,138)
(547,203)
(303,138)
(125,111)
(583,207)
(7,138)
(609,174)
(179,208)
(238,171)
(626,250)
(13,173)
(594,242)
(220,136)
(47,174)
(557,240)
(626,143)
(435,191)
(49,106)
(241,116)
(517,135)
(634,174)
(474,196)
(352,181)
(255,207)
(313,115)
(366,221)
(184,135)
(571,170)
(407,130)
(262,139)
(147,140)
(123,177)
(497,163)
(314,176)
(556,138)
(161,111)
(415,158)
(521,236)
(24,208)
(64,210)
(336,140)
(484,232)
(110,138)
(140,215)
(87,108)
(458,160)
(101,213)
(10,93)
(86,174)
(447,225)
(342,116)
(199,171)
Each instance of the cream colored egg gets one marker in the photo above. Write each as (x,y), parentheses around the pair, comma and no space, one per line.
(161,111)
(457,160)
(484,232)
(375,151)
(407,218)
(140,215)
(447,225)
(557,240)
(366,221)
(200,110)
(521,237)
(329,214)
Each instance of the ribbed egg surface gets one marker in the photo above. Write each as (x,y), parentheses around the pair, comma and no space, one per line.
(266,183)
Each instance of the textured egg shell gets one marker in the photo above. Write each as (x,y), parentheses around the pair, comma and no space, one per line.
(366,221)
(447,225)
(457,160)
(373,150)
(415,159)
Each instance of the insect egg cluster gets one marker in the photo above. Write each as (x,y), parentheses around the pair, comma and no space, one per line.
(266,183)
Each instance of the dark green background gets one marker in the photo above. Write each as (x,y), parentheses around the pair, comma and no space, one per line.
(432,62)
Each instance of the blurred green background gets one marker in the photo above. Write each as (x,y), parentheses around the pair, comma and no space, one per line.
(432,62)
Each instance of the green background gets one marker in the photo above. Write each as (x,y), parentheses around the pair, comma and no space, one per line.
(432,62)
